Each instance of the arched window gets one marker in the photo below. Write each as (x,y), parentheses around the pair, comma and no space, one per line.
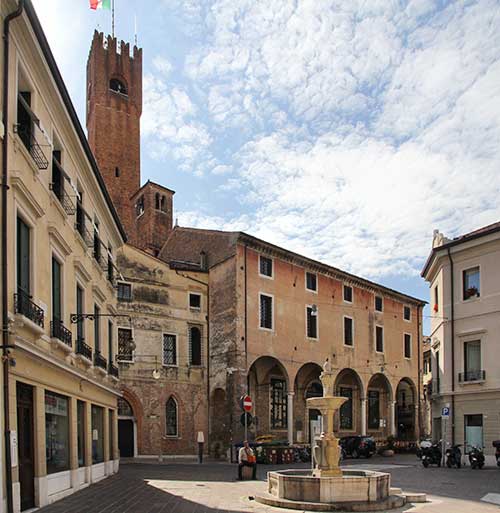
(157,201)
(124,408)
(171,418)
(117,86)
(163,204)
(195,346)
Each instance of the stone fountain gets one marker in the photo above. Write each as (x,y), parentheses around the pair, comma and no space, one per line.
(328,487)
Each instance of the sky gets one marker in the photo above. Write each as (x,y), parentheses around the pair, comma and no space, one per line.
(343,130)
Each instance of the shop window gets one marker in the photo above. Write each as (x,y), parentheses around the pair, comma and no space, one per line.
(195,346)
(373,409)
(56,432)
(97,434)
(278,404)
(346,410)
(473,435)
(172,424)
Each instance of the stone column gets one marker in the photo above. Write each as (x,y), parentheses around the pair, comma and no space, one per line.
(392,418)
(73,442)
(290,416)
(363,416)
(41,488)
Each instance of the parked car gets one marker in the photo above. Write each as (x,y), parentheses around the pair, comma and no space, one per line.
(356,446)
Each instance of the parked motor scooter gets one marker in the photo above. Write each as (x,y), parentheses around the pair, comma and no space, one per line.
(431,455)
(423,444)
(476,458)
(496,445)
(454,456)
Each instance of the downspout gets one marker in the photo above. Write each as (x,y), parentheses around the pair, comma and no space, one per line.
(452,350)
(246,325)
(5,315)
(419,374)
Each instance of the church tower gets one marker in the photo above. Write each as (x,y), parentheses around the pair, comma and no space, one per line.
(114,107)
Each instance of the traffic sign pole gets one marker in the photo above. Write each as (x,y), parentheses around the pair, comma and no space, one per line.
(246,427)
(445,413)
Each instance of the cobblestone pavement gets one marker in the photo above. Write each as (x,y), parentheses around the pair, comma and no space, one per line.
(211,488)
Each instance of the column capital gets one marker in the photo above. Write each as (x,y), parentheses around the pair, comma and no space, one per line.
(290,394)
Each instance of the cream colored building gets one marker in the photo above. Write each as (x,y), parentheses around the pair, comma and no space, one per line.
(63,234)
(464,278)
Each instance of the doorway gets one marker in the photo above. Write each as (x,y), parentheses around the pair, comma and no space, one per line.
(24,396)
(126,438)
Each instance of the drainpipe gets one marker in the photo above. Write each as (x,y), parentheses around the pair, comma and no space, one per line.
(246,325)
(419,375)
(452,349)
(5,316)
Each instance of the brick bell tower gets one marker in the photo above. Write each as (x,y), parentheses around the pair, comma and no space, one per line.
(114,107)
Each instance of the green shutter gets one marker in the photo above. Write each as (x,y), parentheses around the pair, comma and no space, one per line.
(56,290)
(23,256)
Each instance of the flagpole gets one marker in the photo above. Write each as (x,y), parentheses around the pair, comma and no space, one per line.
(113,18)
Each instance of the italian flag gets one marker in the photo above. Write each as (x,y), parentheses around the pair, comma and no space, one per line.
(100,4)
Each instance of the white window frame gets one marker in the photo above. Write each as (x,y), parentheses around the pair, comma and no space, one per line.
(375,338)
(375,303)
(272,315)
(472,337)
(272,267)
(343,294)
(467,268)
(305,279)
(343,330)
(170,365)
(407,320)
(317,323)
(404,346)
(194,308)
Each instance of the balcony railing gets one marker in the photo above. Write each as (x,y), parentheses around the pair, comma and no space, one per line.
(59,177)
(81,225)
(100,253)
(113,370)
(83,349)
(475,375)
(100,361)
(59,331)
(24,306)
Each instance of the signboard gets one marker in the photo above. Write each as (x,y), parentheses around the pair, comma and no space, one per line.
(445,412)
(246,403)
(13,449)
(246,416)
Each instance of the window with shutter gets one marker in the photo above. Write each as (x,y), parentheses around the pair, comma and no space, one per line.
(348,331)
(312,323)
(56,291)
(266,312)
(23,257)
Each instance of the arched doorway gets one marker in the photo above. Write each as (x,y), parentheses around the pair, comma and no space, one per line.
(269,386)
(406,410)
(348,419)
(307,422)
(127,430)
(378,406)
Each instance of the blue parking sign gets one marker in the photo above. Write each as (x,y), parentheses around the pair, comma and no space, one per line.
(445,412)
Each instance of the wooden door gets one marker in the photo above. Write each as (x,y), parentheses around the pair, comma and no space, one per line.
(126,438)
(25,444)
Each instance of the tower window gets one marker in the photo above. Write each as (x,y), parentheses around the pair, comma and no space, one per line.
(117,172)
(139,207)
(117,86)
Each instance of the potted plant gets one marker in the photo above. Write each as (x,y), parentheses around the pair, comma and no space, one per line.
(470,292)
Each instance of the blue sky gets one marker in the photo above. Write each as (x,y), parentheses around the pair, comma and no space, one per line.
(346,131)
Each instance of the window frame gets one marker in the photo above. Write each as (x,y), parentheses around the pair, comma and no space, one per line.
(190,346)
(194,308)
(272,312)
(344,286)
(471,297)
(176,402)
(128,284)
(406,334)
(307,307)
(375,303)
(271,259)
(118,359)
(60,262)
(383,338)
(283,405)
(344,317)
(170,334)
(404,311)
(314,291)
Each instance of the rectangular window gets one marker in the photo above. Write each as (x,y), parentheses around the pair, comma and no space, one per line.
(124,292)
(56,432)
(194,301)
(407,313)
(23,257)
(312,322)
(473,435)
(347,294)
(472,361)
(266,312)
(169,349)
(379,303)
(80,421)
(97,434)
(266,266)
(348,331)
(373,409)
(97,328)
(471,283)
(436,299)
(56,291)
(346,420)
(379,339)
(195,346)
(80,326)
(312,281)
(407,343)
(125,353)
(25,123)
(278,404)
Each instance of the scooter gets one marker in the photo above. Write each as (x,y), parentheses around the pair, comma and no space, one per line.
(423,444)
(454,456)
(431,455)
(496,445)
(476,458)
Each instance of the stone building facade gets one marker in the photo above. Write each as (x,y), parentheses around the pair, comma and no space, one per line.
(464,282)
(63,234)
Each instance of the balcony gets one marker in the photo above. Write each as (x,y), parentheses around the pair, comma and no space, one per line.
(113,370)
(83,349)
(471,376)
(24,306)
(59,177)
(100,254)
(81,225)
(60,332)
(100,361)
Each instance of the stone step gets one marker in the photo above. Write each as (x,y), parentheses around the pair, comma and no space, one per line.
(395,491)
(415,497)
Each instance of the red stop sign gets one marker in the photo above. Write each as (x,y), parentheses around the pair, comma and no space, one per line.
(247,403)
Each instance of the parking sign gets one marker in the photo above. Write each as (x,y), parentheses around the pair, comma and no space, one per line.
(445,412)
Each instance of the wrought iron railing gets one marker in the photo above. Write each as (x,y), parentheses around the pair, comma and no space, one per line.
(83,349)
(100,361)
(24,306)
(59,331)
(113,370)
(81,226)
(100,253)
(59,177)
(474,375)
(27,136)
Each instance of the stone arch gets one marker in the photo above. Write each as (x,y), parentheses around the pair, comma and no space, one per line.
(118,85)
(348,420)
(134,423)
(379,398)
(406,409)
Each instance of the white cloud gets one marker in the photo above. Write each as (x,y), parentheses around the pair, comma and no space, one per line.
(162,64)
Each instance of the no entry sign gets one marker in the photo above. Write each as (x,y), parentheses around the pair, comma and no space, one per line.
(246,403)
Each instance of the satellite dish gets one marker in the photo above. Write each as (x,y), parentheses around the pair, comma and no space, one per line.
(156,374)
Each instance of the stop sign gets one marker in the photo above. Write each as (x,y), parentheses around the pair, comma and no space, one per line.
(247,403)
